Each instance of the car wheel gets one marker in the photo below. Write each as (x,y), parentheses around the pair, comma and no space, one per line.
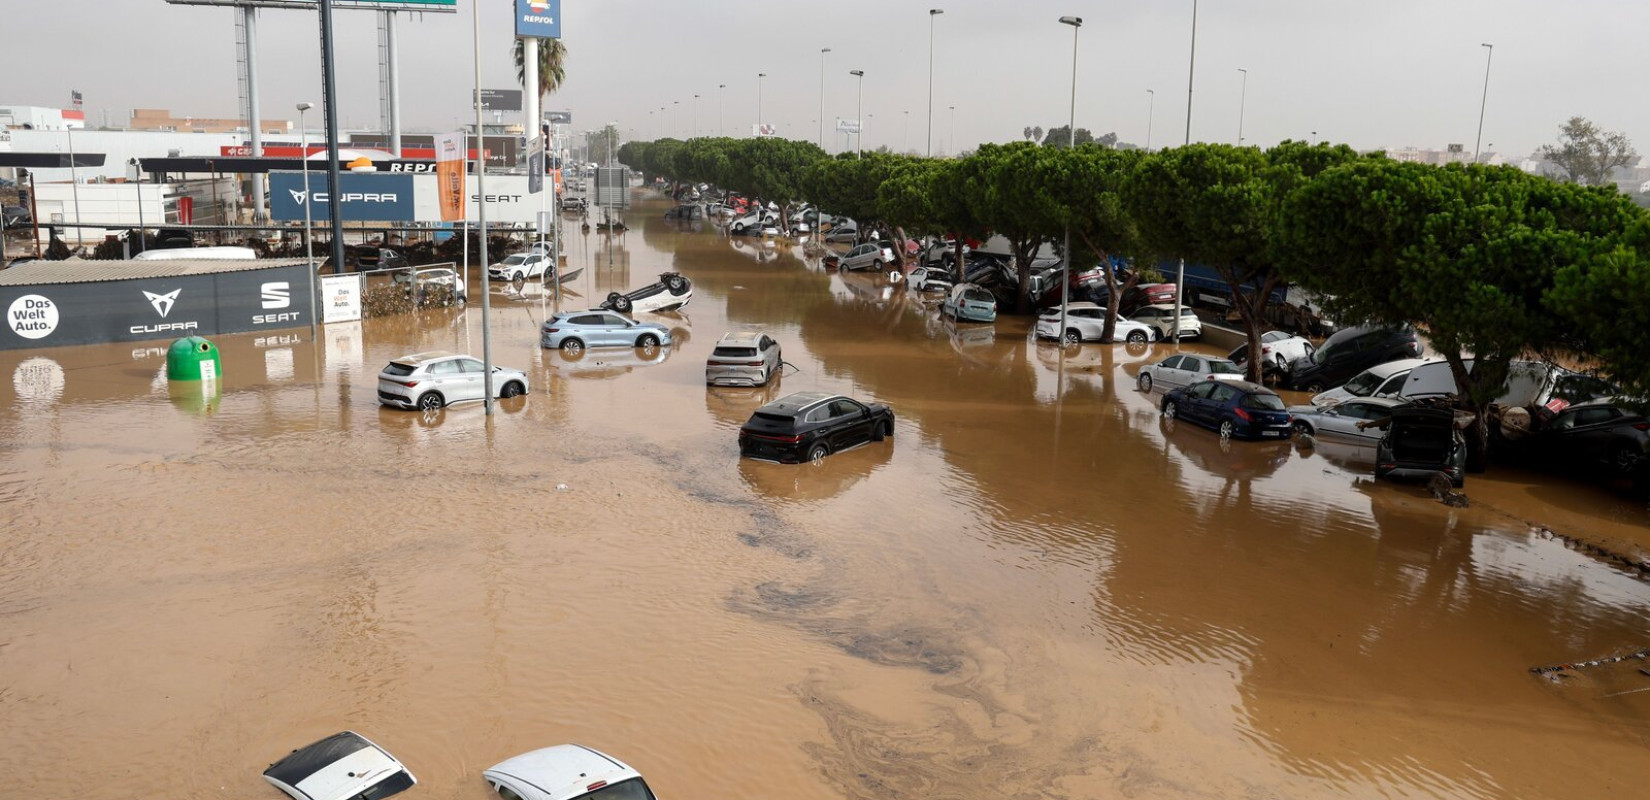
(676,284)
(1313,387)
(1137,337)
(512,389)
(1624,459)
(430,401)
(877,265)
(1228,429)
(621,304)
(738,229)
(572,346)
(1303,429)
(647,341)
(818,451)
(1283,363)
(1072,337)
(1170,409)
(1144,382)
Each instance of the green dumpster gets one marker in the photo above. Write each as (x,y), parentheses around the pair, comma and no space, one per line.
(192,359)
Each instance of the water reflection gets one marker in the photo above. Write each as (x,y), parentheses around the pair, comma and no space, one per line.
(819,480)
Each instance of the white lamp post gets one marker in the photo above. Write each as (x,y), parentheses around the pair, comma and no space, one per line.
(309,251)
(859,122)
(1076,24)
(1482,104)
(822,52)
(932,13)
(1242,99)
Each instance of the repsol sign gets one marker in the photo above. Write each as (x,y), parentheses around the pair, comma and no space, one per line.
(135,309)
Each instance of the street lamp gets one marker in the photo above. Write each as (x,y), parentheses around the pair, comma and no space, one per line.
(674,107)
(696,116)
(759,77)
(952,135)
(1151,107)
(1076,24)
(721,92)
(1180,272)
(309,251)
(1242,98)
(822,52)
(905,135)
(859,114)
(932,13)
(1484,102)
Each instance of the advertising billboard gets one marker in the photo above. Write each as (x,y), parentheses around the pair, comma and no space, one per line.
(449,174)
(499,99)
(538,18)
(53,314)
(367,197)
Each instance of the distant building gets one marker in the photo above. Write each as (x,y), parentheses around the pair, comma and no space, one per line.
(161,119)
(40,118)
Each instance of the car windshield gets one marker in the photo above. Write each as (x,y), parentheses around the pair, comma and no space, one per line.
(1221,366)
(778,419)
(1363,385)
(398,368)
(1263,402)
(515,259)
(633,789)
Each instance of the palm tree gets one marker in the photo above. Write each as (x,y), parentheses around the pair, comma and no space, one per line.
(551,55)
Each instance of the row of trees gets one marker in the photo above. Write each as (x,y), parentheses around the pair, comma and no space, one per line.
(1488,261)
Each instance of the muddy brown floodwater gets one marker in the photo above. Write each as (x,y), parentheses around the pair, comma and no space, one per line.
(1036,588)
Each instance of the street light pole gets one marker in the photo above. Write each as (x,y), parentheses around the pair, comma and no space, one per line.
(309,238)
(759,77)
(721,94)
(1076,24)
(1180,273)
(1243,97)
(1482,104)
(822,52)
(481,220)
(859,114)
(932,13)
(1151,108)
(696,116)
(952,135)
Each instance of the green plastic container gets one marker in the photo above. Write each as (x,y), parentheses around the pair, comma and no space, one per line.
(193,359)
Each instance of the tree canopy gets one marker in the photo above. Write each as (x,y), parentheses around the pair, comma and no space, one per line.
(1587,154)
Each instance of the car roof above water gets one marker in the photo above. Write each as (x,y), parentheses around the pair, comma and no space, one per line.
(740,338)
(419,359)
(793,404)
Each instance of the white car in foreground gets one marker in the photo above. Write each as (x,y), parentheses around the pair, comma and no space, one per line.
(1085,322)
(431,380)
(342,766)
(521,266)
(566,772)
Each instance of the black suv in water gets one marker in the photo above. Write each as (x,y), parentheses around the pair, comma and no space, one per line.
(810,425)
(1348,353)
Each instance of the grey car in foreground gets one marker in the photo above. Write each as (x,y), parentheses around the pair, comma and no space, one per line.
(435,379)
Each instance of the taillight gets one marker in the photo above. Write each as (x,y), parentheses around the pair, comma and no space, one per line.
(1243,415)
(753,363)
(552,330)
(1643,426)
(594,786)
(410,384)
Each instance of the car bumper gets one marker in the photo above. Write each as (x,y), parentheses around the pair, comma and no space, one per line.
(395,400)
(735,376)
(762,450)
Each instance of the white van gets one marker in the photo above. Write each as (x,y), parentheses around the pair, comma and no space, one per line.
(1529,383)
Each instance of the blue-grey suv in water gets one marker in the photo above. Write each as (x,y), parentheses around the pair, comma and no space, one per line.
(573,331)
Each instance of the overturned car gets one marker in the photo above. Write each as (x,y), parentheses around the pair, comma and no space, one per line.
(672,291)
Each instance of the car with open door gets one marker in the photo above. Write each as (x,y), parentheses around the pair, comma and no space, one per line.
(808,426)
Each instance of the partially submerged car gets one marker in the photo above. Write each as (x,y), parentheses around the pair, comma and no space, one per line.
(969,302)
(432,278)
(1277,349)
(566,772)
(1161,317)
(743,358)
(518,267)
(343,766)
(871,255)
(808,426)
(1342,419)
(573,331)
(1381,380)
(1182,370)
(1236,409)
(437,378)
(1422,439)
(670,292)
(1085,322)
(1348,353)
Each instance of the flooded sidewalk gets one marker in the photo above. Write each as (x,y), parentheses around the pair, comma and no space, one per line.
(1036,588)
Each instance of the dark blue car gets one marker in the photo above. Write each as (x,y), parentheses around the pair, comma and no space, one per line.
(1237,409)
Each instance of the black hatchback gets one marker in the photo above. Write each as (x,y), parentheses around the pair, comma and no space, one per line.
(1348,353)
(811,425)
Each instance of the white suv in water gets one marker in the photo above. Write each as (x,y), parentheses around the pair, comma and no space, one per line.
(435,379)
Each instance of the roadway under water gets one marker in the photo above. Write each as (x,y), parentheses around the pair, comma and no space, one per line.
(1036,588)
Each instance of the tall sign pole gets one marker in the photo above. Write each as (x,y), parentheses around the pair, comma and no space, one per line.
(481,218)
(329,99)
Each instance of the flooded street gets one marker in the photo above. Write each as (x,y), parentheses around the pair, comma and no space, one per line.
(1036,588)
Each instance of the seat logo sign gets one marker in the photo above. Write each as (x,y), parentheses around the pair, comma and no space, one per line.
(163,302)
(277,295)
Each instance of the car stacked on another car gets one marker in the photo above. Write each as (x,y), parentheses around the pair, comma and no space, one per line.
(1598,436)
(1085,322)
(435,379)
(1342,419)
(1349,352)
(573,331)
(808,426)
(1186,369)
(1237,409)
(1381,380)
(1277,350)
(743,358)
(871,255)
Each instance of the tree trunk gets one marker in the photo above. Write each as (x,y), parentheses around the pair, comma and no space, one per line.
(1252,310)
(1022,268)
(962,268)
(900,255)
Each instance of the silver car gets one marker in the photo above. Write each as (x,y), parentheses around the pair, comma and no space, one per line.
(573,331)
(871,255)
(435,379)
(1342,419)
(1184,370)
(743,358)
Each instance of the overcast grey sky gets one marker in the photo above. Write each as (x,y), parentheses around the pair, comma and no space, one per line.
(1386,73)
